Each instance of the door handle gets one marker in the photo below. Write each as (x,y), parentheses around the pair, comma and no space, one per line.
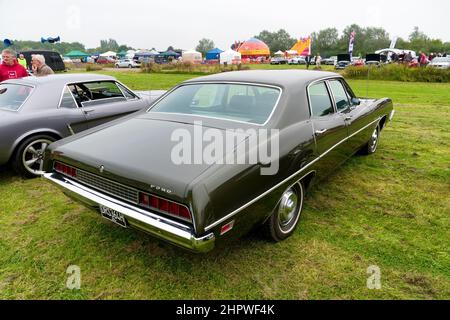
(86,111)
(320,132)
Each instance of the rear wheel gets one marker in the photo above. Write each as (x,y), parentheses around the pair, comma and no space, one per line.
(283,222)
(372,145)
(29,158)
(130,66)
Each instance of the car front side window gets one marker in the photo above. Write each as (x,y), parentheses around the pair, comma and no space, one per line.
(340,95)
(319,97)
(67,100)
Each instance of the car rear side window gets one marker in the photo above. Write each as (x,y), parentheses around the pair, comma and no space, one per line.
(340,95)
(321,104)
(13,96)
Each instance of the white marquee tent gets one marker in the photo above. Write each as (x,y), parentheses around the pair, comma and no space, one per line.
(192,56)
(230,57)
(110,54)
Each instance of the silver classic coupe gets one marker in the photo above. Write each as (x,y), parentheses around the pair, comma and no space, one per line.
(35,112)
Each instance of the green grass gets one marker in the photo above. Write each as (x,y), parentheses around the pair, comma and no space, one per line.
(390,210)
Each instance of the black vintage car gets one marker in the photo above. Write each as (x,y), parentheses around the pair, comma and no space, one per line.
(343,61)
(126,170)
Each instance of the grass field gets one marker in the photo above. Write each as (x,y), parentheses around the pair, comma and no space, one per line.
(390,210)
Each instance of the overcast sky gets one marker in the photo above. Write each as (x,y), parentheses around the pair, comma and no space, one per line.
(147,24)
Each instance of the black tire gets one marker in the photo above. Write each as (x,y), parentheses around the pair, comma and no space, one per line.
(130,66)
(281,226)
(117,66)
(23,153)
(372,145)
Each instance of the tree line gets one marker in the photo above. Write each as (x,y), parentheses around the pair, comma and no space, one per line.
(329,41)
(65,47)
(326,42)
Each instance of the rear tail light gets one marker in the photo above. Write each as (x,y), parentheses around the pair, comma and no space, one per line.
(65,169)
(165,206)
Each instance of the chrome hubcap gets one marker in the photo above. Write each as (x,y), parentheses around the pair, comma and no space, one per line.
(374,140)
(33,156)
(288,207)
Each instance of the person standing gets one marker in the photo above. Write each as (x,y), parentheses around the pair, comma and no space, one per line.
(10,68)
(423,59)
(22,61)
(318,61)
(40,69)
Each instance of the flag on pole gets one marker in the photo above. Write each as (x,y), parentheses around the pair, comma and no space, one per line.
(351,43)
(393,43)
(303,46)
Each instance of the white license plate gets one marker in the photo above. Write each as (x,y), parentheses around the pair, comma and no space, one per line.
(114,216)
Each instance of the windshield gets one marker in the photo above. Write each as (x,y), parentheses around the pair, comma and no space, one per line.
(12,96)
(239,102)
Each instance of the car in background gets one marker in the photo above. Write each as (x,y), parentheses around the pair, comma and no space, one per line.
(279,60)
(105,60)
(127,63)
(440,63)
(36,111)
(126,173)
(52,58)
(357,62)
(67,60)
(373,59)
(297,60)
(331,61)
(343,61)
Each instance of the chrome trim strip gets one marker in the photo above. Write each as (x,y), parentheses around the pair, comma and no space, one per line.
(255,84)
(69,127)
(138,218)
(287,179)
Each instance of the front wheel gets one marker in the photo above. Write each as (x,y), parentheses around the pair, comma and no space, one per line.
(29,158)
(283,222)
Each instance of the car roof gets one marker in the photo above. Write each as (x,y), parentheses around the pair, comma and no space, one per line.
(282,78)
(61,79)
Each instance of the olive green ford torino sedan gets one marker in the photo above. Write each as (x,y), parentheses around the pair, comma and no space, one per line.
(219,155)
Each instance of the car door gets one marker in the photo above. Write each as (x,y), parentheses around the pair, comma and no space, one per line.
(329,127)
(74,117)
(357,118)
(104,101)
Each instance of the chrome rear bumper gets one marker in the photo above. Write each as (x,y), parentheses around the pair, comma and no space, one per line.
(153,224)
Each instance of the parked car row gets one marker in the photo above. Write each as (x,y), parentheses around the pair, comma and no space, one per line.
(123,168)
(111,148)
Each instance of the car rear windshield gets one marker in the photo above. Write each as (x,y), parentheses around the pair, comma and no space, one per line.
(238,102)
(12,96)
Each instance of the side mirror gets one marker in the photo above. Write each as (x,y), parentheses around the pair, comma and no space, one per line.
(356,102)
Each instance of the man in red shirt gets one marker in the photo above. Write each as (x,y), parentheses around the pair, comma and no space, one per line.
(10,68)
